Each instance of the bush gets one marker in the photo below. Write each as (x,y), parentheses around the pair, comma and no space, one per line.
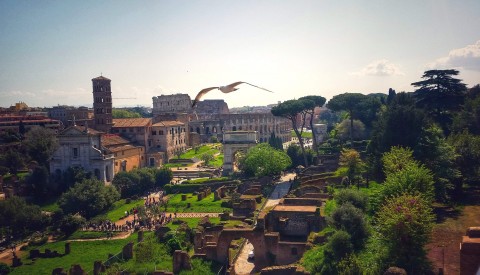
(352,220)
(70,223)
(4,269)
(355,197)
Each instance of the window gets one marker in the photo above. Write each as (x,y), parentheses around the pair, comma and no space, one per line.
(154,133)
(160,132)
(75,152)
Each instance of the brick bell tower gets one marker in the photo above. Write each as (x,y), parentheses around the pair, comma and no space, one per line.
(102,104)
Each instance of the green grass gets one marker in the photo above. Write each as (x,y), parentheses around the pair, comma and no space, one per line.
(119,208)
(207,205)
(218,161)
(203,180)
(50,205)
(193,222)
(85,235)
(304,134)
(201,150)
(83,253)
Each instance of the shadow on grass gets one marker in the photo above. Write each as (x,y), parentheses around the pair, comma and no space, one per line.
(469,196)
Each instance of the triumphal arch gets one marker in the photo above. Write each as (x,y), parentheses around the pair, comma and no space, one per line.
(233,142)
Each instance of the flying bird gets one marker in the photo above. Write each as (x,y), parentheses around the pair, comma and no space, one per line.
(224,89)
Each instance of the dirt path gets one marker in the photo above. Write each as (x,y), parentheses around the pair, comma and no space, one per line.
(121,236)
(444,247)
(243,265)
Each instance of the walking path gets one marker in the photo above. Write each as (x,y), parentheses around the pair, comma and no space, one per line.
(243,265)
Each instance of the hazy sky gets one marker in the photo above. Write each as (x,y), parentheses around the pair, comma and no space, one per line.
(50,50)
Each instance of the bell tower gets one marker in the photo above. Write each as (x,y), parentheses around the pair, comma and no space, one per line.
(102,104)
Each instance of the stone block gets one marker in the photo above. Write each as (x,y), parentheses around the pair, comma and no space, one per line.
(59,271)
(67,248)
(127,251)
(184,197)
(76,269)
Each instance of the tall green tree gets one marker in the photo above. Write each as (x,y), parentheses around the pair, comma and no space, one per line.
(350,102)
(89,198)
(469,117)
(17,218)
(405,223)
(41,143)
(433,150)
(467,148)
(351,160)
(264,160)
(440,93)
(275,142)
(292,109)
(319,102)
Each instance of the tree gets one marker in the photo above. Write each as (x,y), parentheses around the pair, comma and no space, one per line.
(433,150)
(70,223)
(405,223)
(350,159)
(89,197)
(19,218)
(349,102)
(413,179)
(400,124)
(467,148)
(295,153)
(352,220)
(263,160)
(41,143)
(440,93)
(397,159)
(319,102)
(354,197)
(207,158)
(12,160)
(292,109)
(163,176)
(39,180)
(119,113)
(469,116)
(344,128)
(275,141)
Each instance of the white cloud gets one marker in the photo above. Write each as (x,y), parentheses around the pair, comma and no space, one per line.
(381,67)
(467,57)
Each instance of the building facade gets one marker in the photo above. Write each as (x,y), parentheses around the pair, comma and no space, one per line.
(70,115)
(82,147)
(177,103)
(23,123)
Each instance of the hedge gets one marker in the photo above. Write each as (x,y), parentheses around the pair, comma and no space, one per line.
(190,188)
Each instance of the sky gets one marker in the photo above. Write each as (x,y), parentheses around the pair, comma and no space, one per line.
(50,50)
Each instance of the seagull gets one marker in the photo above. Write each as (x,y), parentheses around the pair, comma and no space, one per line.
(224,89)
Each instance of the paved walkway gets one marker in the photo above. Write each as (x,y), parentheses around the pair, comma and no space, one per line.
(244,266)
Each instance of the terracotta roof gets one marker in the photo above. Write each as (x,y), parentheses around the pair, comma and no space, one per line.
(101,78)
(169,123)
(121,148)
(113,140)
(295,208)
(82,129)
(131,122)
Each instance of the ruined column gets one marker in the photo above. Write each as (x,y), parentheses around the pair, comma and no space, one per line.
(67,248)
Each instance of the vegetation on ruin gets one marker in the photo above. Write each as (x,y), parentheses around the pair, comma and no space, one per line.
(264,160)
(206,205)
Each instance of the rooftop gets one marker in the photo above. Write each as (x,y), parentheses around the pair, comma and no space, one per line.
(101,78)
(131,122)
(295,208)
(169,123)
(113,140)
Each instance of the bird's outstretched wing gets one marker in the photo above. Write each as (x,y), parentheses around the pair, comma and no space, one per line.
(201,94)
(231,87)
(256,86)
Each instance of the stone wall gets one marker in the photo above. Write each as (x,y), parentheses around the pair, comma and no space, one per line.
(470,252)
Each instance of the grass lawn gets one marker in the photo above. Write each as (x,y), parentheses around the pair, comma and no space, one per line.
(83,253)
(193,222)
(119,208)
(85,235)
(49,205)
(304,134)
(201,150)
(218,161)
(207,205)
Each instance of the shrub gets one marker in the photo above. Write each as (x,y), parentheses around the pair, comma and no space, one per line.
(352,220)
(70,223)
(355,197)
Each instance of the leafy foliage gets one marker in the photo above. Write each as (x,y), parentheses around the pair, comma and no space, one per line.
(70,223)
(89,198)
(397,159)
(352,220)
(405,222)
(354,197)
(41,143)
(467,148)
(119,113)
(207,158)
(295,153)
(19,218)
(139,181)
(433,150)
(351,160)
(344,128)
(263,160)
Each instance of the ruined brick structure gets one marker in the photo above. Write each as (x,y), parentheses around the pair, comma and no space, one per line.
(470,252)
(209,107)
(102,104)
(177,103)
